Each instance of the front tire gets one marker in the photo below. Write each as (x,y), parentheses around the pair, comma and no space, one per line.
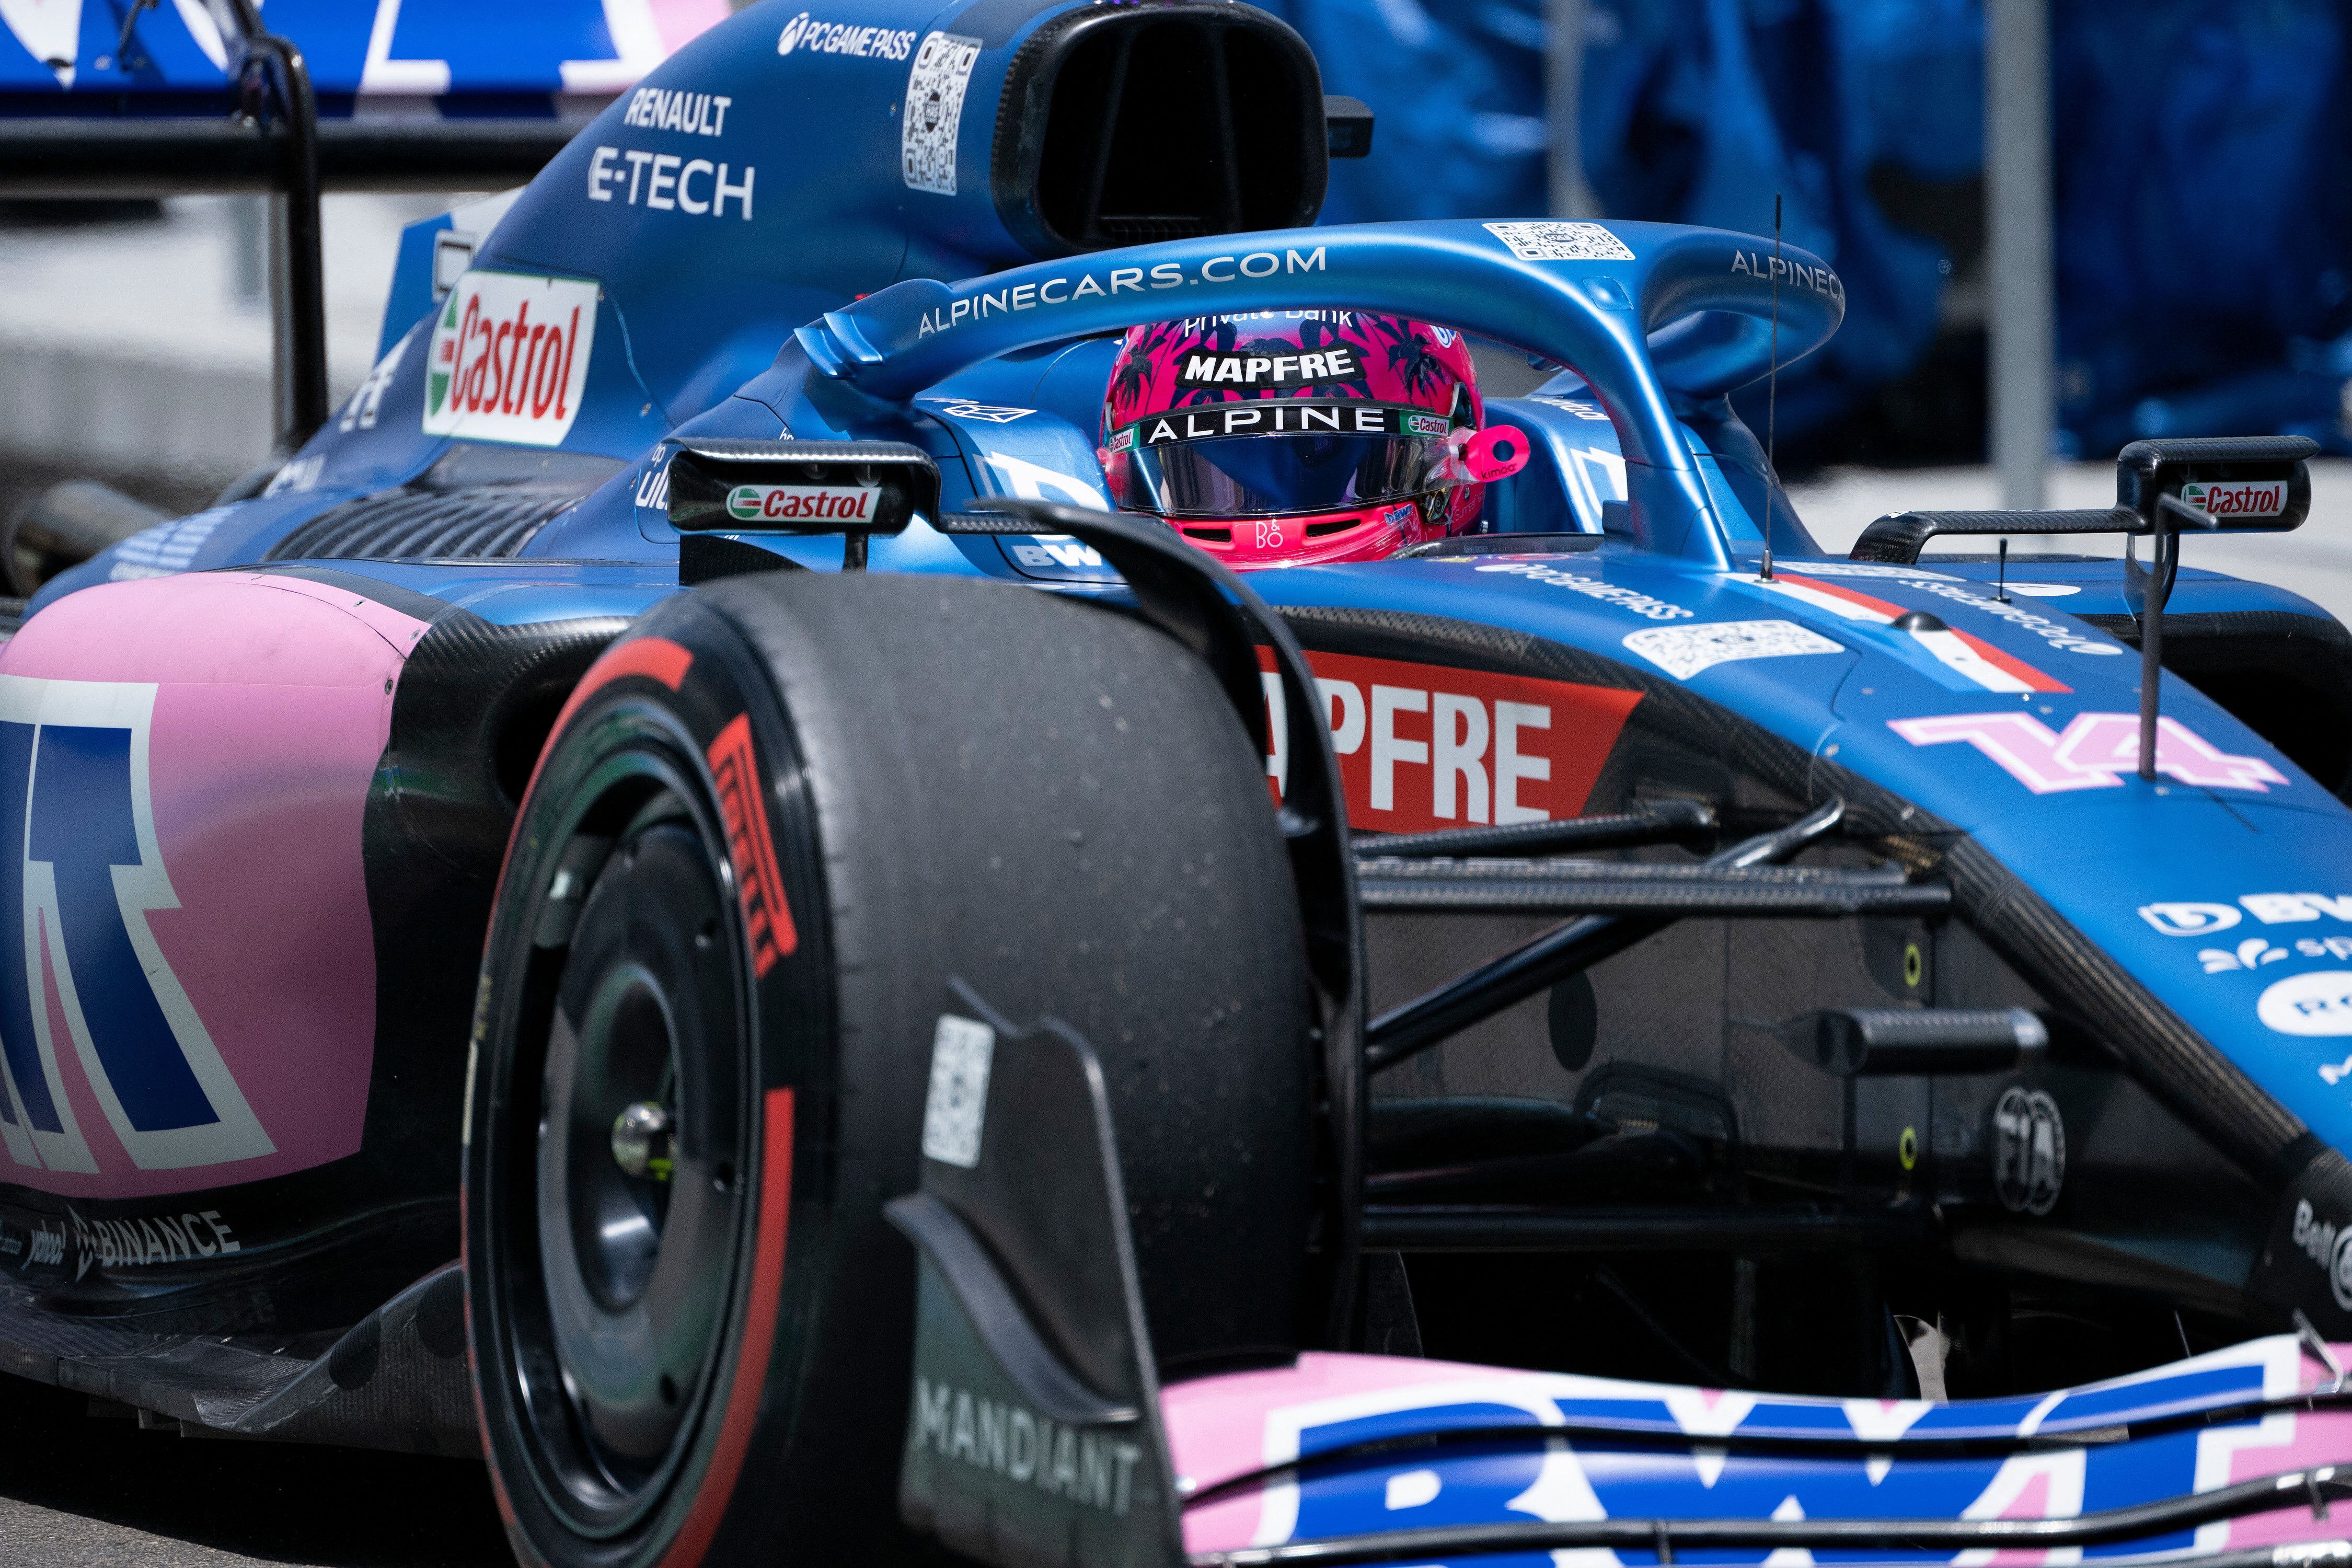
(772,824)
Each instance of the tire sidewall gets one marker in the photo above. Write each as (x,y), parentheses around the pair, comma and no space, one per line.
(720,698)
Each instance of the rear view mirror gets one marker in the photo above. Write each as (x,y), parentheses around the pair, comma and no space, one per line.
(2257,484)
(855,488)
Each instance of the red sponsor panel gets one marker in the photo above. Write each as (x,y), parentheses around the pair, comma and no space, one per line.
(1426,746)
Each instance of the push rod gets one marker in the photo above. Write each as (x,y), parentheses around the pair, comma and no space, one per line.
(1666,821)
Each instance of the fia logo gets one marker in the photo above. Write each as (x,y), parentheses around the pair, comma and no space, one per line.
(81,974)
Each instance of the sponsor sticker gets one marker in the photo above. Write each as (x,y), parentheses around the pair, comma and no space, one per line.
(669,182)
(510,357)
(1090,1469)
(2238,497)
(2255,951)
(367,403)
(2271,908)
(989,413)
(301,475)
(1591,587)
(1048,551)
(843,38)
(135,1243)
(2328,1246)
(1789,271)
(2029,1151)
(1684,651)
(2095,751)
(984,302)
(166,548)
(1871,569)
(796,503)
(933,114)
(1582,407)
(2315,1004)
(957,1106)
(758,883)
(1426,746)
(694,113)
(1338,363)
(652,487)
(1961,659)
(1295,417)
(1562,241)
(2251,954)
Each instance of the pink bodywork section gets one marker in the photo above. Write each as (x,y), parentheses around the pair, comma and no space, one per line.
(273,704)
(681,21)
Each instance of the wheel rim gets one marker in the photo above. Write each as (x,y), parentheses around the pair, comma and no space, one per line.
(618,1284)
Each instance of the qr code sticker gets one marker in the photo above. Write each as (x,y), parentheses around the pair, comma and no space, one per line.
(934,114)
(1560,242)
(1683,651)
(962,1050)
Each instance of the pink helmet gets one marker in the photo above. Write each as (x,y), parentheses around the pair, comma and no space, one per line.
(1294,436)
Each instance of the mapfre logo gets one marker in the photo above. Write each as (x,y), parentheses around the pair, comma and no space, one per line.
(1425,746)
(2245,497)
(509,358)
(105,1005)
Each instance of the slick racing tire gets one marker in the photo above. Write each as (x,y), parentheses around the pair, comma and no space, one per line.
(771,825)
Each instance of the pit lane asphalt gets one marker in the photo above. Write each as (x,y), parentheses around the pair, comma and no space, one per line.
(80,1491)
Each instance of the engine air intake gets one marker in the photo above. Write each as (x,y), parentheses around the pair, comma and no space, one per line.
(1130,124)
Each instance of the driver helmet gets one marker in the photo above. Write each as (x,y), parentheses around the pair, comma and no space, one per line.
(1285,438)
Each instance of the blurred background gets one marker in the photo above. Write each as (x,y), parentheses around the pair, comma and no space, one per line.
(2061,223)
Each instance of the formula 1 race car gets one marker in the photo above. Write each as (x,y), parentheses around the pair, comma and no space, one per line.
(678,900)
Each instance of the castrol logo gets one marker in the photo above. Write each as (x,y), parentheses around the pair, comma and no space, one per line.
(2238,497)
(509,358)
(756,504)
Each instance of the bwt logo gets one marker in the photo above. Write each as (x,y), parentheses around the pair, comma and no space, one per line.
(75,944)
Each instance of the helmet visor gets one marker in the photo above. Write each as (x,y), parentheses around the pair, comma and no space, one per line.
(1367,453)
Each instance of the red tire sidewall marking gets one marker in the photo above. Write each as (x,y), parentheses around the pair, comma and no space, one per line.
(759,1342)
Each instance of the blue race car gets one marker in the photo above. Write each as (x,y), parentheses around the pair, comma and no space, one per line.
(843,869)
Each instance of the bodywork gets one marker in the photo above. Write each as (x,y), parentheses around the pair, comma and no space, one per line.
(265,759)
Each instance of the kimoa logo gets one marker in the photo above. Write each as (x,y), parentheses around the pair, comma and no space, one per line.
(509,358)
